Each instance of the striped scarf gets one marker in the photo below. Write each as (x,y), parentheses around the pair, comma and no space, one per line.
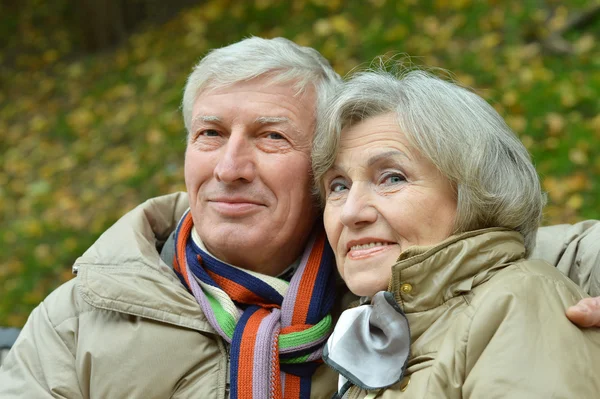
(276,329)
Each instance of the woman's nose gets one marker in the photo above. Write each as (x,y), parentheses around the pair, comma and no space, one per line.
(357,210)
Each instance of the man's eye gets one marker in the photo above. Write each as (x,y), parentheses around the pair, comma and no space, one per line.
(275,136)
(209,133)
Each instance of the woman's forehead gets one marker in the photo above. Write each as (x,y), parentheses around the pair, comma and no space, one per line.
(374,136)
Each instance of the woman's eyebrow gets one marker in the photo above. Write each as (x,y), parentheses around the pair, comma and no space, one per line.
(385,155)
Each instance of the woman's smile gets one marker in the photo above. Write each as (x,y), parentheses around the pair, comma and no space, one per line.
(362,251)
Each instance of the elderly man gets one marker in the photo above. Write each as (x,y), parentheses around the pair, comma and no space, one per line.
(227,291)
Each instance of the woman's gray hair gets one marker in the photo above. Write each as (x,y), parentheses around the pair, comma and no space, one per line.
(281,59)
(458,131)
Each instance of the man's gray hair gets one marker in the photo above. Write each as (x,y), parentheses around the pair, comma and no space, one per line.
(459,132)
(281,59)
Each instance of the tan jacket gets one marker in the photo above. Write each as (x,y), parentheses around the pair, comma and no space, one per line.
(574,250)
(486,323)
(125,327)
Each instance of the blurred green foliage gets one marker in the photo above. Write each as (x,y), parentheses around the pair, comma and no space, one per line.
(85,138)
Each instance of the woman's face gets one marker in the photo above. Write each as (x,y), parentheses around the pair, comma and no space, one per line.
(382,196)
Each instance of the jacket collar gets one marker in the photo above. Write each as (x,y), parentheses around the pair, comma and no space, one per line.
(123,270)
(426,277)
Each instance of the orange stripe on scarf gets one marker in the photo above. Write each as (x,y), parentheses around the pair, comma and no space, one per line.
(308,281)
(295,328)
(186,227)
(292,386)
(246,362)
(240,293)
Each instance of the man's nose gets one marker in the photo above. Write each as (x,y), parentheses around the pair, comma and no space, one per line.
(358,210)
(236,161)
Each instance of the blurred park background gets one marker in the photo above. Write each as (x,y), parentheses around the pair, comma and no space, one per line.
(90,124)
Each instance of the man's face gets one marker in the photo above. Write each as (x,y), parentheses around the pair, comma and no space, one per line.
(247,172)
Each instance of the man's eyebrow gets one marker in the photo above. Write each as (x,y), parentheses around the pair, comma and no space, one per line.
(204,118)
(264,120)
(267,120)
(388,154)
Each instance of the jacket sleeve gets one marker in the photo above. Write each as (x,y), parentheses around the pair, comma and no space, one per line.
(519,346)
(39,365)
(574,250)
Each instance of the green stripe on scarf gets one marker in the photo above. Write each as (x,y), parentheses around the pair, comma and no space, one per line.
(311,334)
(225,320)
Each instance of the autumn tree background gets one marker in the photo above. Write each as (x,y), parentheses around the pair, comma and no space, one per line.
(90,124)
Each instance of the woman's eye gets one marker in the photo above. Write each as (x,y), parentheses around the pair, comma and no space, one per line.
(337,186)
(394,179)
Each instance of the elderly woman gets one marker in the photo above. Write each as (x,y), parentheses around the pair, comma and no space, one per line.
(431,207)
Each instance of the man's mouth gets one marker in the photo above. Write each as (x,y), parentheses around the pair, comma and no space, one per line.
(236,206)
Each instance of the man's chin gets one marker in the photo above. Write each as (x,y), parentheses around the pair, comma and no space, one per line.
(227,243)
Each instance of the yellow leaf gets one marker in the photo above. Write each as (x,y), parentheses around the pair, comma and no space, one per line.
(75,70)
(527,141)
(574,202)
(577,182)
(510,98)
(69,244)
(559,19)
(398,32)
(342,25)
(32,228)
(263,4)
(303,39)
(518,123)
(50,56)
(431,25)
(213,10)
(584,44)
(80,119)
(554,188)
(38,123)
(154,136)
(578,156)
(42,252)
(322,27)
(490,40)
(555,123)
(377,3)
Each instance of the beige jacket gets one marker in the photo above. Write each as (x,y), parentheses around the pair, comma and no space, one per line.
(125,327)
(574,250)
(486,323)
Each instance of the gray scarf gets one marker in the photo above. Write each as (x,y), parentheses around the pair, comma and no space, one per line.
(370,344)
